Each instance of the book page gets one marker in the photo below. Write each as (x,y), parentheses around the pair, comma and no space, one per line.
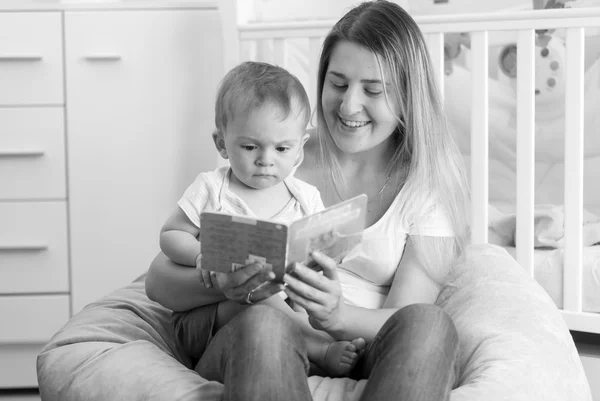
(230,242)
(335,232)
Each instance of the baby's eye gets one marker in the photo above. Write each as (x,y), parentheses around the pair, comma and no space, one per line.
(249,147)
(282,149)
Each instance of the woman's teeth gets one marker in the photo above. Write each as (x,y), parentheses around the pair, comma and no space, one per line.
(354,124)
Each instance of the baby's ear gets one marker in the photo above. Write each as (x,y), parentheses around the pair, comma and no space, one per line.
(300,157)
(220,144)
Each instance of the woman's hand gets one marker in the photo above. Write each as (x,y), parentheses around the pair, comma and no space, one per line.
(319,294)
(244,286)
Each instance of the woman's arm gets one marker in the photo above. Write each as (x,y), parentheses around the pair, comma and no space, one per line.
(179,288)
(321,296)
(413,283)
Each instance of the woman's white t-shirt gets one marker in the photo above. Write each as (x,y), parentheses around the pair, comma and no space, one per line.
(366,274)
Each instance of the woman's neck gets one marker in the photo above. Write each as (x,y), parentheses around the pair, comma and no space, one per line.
(371,163)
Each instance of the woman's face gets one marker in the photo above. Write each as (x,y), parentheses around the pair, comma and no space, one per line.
(356,111)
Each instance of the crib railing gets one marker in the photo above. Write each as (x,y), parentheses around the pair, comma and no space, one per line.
(243,40)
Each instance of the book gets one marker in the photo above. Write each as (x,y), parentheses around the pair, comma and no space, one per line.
(229,242)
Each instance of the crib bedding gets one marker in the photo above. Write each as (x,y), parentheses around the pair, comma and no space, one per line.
(514,345)
(548,272)
(549,252)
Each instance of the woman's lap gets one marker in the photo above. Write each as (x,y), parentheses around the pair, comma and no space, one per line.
(414,355)
(417,344)
(259,354)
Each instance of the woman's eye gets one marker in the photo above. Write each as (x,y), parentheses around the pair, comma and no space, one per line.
(249,147)
(338,85)
(373,92)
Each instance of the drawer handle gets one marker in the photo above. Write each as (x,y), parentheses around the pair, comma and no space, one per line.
(102,57)
(22,57)
(23,247)
(21,153)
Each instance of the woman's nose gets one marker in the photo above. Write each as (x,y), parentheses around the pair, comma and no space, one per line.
(351,103)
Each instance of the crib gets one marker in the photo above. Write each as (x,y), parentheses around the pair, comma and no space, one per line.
(486,38)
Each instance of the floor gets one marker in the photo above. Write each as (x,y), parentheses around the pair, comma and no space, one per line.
(590,357)
(29,395)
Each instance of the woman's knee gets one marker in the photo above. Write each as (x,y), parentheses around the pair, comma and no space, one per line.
(423,323)
(261,324)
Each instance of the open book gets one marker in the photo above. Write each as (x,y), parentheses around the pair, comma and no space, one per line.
(230,242)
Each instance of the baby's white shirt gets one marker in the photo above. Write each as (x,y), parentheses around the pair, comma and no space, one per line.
(210,193)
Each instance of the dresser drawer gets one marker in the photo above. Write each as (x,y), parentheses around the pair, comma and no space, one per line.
(32,153)
(28,323)
(33,248)
(31,57)
(32,319)
(18,369)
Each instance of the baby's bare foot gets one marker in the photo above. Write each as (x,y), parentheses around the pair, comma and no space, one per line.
(341,356)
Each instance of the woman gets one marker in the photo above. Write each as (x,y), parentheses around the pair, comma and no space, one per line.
(380,122)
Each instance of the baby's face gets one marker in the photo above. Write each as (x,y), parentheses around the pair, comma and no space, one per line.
(262,148)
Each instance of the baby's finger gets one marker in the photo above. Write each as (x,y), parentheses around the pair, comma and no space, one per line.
(206,278)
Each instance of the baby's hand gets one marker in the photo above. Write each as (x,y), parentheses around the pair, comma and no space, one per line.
(203,275)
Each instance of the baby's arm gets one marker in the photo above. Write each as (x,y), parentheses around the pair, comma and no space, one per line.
(179,239)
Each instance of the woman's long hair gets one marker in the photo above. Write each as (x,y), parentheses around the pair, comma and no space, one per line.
(425,147)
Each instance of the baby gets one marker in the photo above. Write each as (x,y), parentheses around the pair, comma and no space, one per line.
(261,114)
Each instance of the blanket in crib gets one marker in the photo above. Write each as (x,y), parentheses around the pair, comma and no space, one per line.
(549,227)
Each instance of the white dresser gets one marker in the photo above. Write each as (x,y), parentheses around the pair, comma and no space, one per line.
(106,114)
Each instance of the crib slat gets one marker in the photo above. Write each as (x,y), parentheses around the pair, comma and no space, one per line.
(248,50)
(525,148)
(574,169)
(228,10)
(314,47)
(435,45)
(264,51)
(479,137)
(279,52)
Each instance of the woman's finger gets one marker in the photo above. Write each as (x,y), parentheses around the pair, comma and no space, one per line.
(304,288)
(311,277)
(329,266)
(309,306)
(241,277)
(265,290)
(246,273)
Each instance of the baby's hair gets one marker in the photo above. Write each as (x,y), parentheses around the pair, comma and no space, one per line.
(251,85)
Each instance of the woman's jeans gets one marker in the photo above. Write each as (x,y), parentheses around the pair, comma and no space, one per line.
(261,355)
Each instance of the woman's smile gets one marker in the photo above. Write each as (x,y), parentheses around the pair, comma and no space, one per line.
(354,123)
